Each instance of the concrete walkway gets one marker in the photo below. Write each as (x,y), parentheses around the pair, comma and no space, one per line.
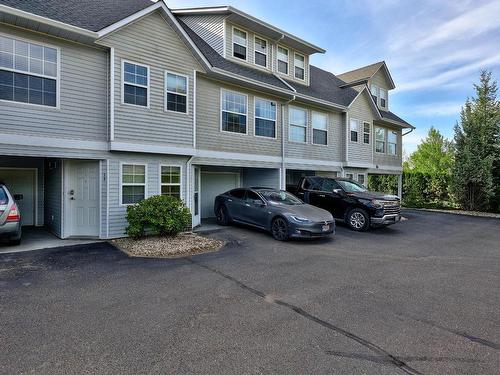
(36,238)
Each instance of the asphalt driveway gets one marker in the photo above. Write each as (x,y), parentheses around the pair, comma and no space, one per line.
(420,297)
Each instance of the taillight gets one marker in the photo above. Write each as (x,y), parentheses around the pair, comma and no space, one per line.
(13,214)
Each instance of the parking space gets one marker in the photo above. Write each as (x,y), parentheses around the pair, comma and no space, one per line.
(419,297)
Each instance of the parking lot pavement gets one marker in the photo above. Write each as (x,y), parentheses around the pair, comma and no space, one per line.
(420,297)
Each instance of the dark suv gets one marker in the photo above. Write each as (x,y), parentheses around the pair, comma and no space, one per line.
(349,201)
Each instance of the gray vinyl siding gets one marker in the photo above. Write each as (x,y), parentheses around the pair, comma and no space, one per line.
(382,159)
(53,195)
(151,41)
(15,162)
(117,212)
(362,111)
(308,150)
(260,177)
(83,94)
(209,27)
(381,80)
(208,128)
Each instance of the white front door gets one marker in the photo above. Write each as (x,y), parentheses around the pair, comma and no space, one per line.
(22,185)
(82,197)
(213,184)
(196,198)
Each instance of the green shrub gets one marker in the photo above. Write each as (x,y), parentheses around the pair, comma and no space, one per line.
(160,214)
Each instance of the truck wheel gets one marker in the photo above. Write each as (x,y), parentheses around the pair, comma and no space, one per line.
(222,216)
(358,220)
(279,229)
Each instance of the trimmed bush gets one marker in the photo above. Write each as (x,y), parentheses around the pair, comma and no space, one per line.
(160,214)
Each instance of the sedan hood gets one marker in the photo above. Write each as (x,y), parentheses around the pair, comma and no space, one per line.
(374,195)
(307,211)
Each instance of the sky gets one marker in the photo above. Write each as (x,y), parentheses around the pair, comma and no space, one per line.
(435,50)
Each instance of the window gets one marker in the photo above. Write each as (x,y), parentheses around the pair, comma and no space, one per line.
(354,127)
(328,184)
(170,181)
(374,91)
(366,133)
(361,178)
(350,176)
(238,193)
(28,72)
(234,112)
(392,141)
(320,128)
(299,63)
(383,98)
(239,44)
(298,125)
(282,60)
(135,84)
(379,140)
(176,86)
(133,183)
(253,197)
(265,118)
(260,52)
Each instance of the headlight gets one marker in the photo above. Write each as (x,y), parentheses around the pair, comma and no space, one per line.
(301,220)
(377,203)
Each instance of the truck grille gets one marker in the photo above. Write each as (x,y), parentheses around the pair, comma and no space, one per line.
(392,208)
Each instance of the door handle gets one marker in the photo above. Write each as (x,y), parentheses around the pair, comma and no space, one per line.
(246,204)
(322,195)
(229,200)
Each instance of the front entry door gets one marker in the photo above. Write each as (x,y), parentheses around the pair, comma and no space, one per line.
(82,192)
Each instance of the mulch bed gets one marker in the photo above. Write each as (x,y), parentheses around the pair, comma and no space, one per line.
(181,245)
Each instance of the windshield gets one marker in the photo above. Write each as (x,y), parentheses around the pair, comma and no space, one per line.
(351,186)
(281,197)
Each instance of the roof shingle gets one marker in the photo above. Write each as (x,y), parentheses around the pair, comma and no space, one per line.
(364,72)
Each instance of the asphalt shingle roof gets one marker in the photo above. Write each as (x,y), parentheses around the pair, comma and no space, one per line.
(92,15)
(391,116)
(364,72)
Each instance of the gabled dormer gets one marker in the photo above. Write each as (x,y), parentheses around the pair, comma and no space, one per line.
(244,39)
(377,77)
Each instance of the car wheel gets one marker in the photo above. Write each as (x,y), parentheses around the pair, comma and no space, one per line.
(15,242)
(222,216)
(279,229)
(358,220)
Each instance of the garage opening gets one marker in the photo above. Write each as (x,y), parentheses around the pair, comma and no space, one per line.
(293,176)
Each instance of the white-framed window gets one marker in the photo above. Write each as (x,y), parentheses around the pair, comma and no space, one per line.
(374,91)
(261,51)
(239,44)
(320,128)
(350,176)
(282,57)
(29,72)
(132,183)
(383,98)
(366,132)
(300,66)
(170,180)
(354,130)
(380,140)
(265,118)
(176,92)
(298,125)
(392,142)
(135,87)
(362,178)
(233,112)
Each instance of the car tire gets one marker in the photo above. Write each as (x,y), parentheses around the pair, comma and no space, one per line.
(222,216)
(15,242)
(358,220)
(279,229)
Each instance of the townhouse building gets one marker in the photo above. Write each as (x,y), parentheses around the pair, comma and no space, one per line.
(105,103)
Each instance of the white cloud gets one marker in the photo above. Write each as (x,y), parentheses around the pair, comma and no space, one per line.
(437,109)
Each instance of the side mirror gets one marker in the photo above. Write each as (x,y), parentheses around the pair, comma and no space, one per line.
(338,192)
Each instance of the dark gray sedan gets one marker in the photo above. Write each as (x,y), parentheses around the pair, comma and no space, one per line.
(277,211)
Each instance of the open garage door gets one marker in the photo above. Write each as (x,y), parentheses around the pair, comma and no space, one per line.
(213,184)
(22,185)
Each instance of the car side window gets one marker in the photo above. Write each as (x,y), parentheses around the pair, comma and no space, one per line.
(3,196)
(238,193)
(252,197)
(312,184)
(329,185)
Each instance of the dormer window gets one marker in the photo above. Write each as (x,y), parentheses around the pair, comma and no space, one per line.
(239,44)
(260,52)
(282,60)
(300,63)
(374,91)
(383,98)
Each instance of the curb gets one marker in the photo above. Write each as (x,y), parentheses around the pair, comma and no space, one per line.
(488,215)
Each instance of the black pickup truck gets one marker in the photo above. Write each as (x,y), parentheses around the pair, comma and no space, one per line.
(349,201)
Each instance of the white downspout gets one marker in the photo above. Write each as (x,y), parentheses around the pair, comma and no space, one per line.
(112,95)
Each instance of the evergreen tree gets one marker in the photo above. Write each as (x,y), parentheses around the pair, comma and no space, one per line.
(477,148)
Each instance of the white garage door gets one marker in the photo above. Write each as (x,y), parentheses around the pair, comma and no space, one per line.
(22,183)
(213,184)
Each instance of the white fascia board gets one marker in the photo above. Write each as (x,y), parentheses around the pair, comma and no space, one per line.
(327,163)
(28,140)
(48,21)
(151,149)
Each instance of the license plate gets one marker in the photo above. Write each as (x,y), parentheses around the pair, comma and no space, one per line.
(325,228)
